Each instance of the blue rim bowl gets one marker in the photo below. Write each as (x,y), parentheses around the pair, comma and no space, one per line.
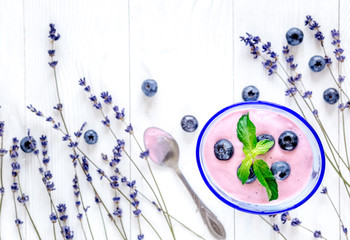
(283,206)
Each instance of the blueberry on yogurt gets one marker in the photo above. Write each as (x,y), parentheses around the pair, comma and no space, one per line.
(266,137)
(223,149)
(288,140)
(251,177)
(280,170)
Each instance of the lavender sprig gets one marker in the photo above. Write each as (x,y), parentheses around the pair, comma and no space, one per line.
(120,115)
(295,222)
(66,232)
(2,154)
(344,229)
(76,188)
(23,199)
(14,187)
(314,26)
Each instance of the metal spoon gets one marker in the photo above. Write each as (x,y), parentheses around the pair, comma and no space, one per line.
(164,150)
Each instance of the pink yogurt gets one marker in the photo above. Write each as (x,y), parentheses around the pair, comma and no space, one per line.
(224,173)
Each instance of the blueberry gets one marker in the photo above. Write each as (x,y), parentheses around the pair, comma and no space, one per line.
(223,149)
(149,87)
(90,137)
(266,137)
(27,144)
(331,95)
(189,123)
(294,36)
(250,93)
(251,177)
(280,170)
(317,63)
(288,140)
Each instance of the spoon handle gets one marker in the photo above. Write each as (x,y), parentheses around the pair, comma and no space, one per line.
(209,218)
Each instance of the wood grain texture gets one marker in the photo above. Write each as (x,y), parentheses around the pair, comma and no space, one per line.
(192,49)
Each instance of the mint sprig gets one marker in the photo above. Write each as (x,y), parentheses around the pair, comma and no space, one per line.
(246,133)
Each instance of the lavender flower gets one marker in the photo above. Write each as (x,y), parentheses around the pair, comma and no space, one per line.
(140,236)
(53,64)
(61,208)
(252,42)
(270,66)
(295,222)
(341,79)
(67,233)
(338,52)
(106,122)
(317,234)
(106,98)
(345,230)
(119,114)
(52,33)
(101,172)
(137,212)
(307,94)
(328,60)
(23,199)
(314,26)
(129,129)
(51,52)
(58,107)
(104,157)
(53,218)
(14,187)
(2,126)
(144,154)
(324,190)
(285,50)
(96,103)
(284,217)
(18,222)
(275,227)
(118,212)
(291,91)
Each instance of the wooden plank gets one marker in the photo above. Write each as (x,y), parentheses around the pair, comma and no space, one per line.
(186,46)
(12,99)
(93,44)
(344,23)
(271,21)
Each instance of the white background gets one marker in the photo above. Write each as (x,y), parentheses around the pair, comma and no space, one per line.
(192,49)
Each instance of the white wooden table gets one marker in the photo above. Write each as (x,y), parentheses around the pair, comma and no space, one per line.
(192,49)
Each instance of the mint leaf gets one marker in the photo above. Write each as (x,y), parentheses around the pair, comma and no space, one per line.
(246,133)
(262,147)
(244,169)
(266,178)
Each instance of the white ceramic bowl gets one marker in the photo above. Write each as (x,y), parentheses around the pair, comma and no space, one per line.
(273,208)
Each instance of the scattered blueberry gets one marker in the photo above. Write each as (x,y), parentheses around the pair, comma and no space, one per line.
(251,177)
(223,149)
(189,123)
(294,36)
(331,95)
(250,93)
(288,140)
(27,144)
(317,63)
(280,170)
(90,137)
(266,137)
(149,87)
